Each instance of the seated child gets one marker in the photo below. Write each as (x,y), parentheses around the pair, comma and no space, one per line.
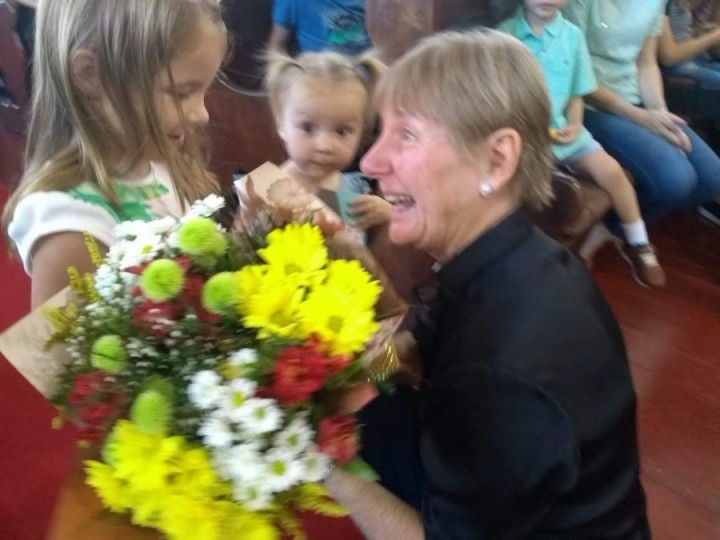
(336,25)
(562,52)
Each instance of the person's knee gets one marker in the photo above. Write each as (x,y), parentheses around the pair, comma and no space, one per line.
(667,185)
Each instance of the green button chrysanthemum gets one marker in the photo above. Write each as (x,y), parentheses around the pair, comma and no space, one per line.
(108,353)
(220,293)
(151,412)
(162,280)
(200,236)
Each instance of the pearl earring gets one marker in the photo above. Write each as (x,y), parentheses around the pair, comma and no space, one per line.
(486,190)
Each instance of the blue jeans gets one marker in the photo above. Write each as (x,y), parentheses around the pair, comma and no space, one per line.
(702,69)
(667,180)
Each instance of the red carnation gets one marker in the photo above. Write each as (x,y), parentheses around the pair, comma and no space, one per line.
(192,296)
(338,438)
(97,413)
(298,372)
(84,386)
(154,318)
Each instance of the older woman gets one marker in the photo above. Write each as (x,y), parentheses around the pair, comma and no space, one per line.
(526,411)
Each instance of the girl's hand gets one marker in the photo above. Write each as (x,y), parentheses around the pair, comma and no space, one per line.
(668,126)
(566,135)
(369,211)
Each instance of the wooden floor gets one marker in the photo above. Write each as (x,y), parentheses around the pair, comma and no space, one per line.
(673,339)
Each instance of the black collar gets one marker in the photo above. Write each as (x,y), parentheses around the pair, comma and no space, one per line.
(489,246)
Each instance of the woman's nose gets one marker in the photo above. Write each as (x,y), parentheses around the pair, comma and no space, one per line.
(375,161)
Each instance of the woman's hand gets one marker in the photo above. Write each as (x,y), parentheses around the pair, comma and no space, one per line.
(667,125)
(369,211)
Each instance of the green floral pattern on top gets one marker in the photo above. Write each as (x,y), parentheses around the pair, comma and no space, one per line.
(135,201)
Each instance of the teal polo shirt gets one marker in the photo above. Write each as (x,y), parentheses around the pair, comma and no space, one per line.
(565,61)
(616,31)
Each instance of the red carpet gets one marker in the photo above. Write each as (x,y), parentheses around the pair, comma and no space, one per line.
(34,459)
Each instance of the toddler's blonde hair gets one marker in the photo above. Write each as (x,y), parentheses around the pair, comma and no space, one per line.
(283,71)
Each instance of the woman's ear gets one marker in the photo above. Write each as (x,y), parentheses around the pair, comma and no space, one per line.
(503,149)
(84,73)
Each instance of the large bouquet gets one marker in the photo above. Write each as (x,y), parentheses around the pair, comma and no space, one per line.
(203,361)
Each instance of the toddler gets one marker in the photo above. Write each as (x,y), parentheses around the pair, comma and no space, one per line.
(322,107)
(560,48)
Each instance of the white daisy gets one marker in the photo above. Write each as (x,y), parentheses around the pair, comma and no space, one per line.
(238,392)
(243,357)
(216,432)
(163,225)
(206,390)
(257,416)
(205,207)
(283,470)
(296,437)
(129,229)
(244,463)
(141,250)
(253,496)
(314,465)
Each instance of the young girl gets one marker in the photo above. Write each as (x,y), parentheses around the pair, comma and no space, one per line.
(560,48)
(119,92)
(322,108)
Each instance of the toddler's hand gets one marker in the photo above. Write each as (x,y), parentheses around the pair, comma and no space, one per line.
(566,135)
(368,211)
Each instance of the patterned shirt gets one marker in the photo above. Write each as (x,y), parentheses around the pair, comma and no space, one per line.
(85,209)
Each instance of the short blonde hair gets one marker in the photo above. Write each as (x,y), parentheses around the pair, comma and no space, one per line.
(473,84)
(282,71)
(133,41)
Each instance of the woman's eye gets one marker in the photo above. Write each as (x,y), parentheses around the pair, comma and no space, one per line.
(408,135)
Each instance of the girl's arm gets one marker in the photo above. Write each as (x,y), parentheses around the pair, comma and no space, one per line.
(51,258)
(376,511)
(671,52)
(649,76)
(657,117)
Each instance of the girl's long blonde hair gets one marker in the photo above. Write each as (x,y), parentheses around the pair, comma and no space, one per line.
(133,42)
(282,71)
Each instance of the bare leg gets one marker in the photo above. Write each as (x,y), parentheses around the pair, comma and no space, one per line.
(609,175)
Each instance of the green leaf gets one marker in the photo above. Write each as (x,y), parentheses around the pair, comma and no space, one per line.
(359,467)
